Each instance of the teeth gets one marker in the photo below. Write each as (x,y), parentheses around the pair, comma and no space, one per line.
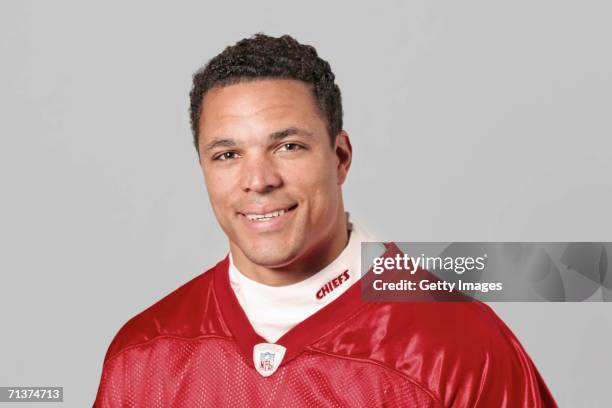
(265,217)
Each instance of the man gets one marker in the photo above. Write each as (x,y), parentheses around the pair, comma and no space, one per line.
(280,321)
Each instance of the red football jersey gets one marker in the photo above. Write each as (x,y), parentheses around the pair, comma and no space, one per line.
(194,348)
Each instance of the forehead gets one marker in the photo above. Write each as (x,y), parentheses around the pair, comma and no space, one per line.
(259,103)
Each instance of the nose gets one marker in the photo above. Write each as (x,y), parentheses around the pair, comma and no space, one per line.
(260,175)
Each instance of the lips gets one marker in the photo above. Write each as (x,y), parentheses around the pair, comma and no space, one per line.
(266,213)
(266,209)
(265,217)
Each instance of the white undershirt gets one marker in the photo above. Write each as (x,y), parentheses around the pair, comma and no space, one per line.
(274,310)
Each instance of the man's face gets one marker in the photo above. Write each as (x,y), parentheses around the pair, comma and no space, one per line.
(273,178)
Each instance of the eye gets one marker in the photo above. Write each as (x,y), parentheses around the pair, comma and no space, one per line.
(288,147)
(226,156)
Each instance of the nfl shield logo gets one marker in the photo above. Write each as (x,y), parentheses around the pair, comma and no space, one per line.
(266,361)
(267,357)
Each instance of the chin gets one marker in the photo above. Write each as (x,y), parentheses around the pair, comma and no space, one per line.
(271,258)
(271,253)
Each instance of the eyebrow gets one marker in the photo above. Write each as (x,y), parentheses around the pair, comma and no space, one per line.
(219,142)
(276,135)
(281,134)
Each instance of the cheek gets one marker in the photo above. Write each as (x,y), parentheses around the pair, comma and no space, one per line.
(219,187)
(318,186)
(316,169)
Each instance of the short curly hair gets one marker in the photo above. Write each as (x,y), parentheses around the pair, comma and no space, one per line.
(265,57)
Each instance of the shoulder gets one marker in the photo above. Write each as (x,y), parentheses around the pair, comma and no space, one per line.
(458,328)
(188,312)
(456,350)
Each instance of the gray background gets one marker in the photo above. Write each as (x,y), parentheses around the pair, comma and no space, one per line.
(471,120)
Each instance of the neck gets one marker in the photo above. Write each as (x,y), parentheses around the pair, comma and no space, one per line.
(308,264)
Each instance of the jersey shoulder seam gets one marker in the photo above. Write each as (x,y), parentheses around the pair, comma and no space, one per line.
(165,336)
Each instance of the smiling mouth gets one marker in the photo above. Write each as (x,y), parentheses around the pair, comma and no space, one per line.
(269,216)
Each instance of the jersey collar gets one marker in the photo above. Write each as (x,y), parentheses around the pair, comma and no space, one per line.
(305,333)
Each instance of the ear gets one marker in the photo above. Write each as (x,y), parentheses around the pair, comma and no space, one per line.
(344,154)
